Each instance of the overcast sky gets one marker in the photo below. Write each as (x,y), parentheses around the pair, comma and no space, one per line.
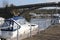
(25,2)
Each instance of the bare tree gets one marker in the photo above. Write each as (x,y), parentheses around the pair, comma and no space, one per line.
(5,3)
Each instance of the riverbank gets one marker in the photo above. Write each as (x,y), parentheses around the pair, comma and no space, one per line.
(51,33)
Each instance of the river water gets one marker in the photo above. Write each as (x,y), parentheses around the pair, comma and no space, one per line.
(43,23)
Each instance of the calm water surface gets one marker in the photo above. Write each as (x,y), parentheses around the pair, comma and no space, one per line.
(42,22)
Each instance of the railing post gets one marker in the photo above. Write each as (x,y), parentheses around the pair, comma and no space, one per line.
(17,33)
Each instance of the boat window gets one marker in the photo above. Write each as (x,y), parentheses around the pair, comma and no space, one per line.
(15,26)
(12,26)
(5,23)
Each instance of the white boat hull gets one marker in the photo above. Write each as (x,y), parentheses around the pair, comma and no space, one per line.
(24,30)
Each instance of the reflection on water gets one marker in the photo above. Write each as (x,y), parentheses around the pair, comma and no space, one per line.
(43,22)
